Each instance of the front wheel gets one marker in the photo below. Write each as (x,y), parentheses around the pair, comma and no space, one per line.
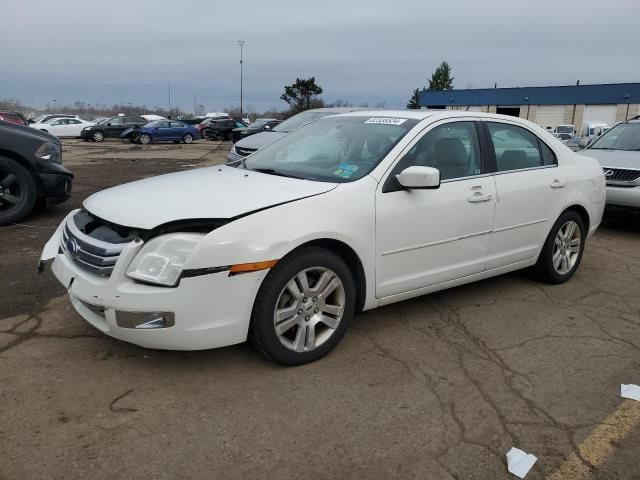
(97,136)
(563,249)
(188,138)
(144,139)
(18,191)
(303,307)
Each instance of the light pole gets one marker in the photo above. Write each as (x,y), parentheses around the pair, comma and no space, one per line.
(169,98)
(241,43)
(129,108)
(54,106)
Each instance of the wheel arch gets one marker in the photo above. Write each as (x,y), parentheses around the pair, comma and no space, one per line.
(26,164)
(350,257)
(580,210)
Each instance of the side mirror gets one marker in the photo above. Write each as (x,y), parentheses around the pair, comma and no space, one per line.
(109,124)
(418,177)
(583,142)
(267,127)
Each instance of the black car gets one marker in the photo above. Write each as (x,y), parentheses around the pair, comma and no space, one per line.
(260,125)
(221,129)
(111,128)
(31,171)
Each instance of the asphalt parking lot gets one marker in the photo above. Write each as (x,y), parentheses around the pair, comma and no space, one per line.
(438,387)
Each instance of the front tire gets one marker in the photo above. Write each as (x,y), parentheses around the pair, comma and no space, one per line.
(303,307)
(18,192)
(562,251)
(144,139)
(97,136)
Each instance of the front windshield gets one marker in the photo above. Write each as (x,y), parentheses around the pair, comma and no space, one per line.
(299,120)
(334,149)
(625,136)
(38,119)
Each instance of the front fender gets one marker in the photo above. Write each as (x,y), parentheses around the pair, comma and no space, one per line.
(274,232)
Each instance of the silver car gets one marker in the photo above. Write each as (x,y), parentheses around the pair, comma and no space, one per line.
(618,151)
(250,144)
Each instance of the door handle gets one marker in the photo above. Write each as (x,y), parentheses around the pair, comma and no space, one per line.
(478,197)
(558,183)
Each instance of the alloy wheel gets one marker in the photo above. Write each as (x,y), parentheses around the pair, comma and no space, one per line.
(10,192)
(188,138)
(566,248)
(309,309)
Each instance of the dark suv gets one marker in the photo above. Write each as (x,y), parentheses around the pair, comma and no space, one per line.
(111,128)
(30,171)
(221,129)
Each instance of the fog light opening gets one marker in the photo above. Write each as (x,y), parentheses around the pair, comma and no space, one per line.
(145,320)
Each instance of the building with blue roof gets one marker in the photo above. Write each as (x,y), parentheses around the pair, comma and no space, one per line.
(549,107)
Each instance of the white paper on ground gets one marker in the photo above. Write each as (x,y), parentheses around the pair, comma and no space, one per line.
(630,391)
(519,463)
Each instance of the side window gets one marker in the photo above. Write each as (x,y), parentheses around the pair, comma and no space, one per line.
(57,122)
(116,121)
(177,125)
(240,125)
(163,125)
(517,148)
(73,122)
(452,148)
(548,157)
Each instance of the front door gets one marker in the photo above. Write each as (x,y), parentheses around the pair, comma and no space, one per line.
(427,237)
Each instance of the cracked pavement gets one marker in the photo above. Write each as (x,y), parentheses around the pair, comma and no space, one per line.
(438,387)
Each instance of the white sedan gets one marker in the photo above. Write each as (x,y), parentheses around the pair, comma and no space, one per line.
(343,215)
(63,127)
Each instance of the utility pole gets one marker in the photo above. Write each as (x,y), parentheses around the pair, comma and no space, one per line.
(194,106)
(241,43)
(169,98)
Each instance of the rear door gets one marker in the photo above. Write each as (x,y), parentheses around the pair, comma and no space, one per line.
(529,186)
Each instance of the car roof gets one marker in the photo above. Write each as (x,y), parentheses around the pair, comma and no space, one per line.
(424,113)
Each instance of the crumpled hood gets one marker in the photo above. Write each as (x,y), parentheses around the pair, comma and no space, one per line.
(217,192)
(614,158)
(259,140)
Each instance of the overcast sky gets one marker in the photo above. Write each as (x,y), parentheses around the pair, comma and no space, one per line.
(360,51)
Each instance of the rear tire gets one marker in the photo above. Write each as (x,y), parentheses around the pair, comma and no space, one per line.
(562,251)
(188,138)
(296,328)
(18,191)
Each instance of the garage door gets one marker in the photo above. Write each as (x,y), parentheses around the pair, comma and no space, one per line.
(474,108)
(600,113)
(550,115)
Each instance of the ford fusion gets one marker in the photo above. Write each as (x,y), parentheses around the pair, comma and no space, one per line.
(345,214)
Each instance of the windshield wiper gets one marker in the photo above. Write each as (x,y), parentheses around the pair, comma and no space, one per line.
(271,171)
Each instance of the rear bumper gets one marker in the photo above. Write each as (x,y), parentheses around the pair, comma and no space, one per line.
(623,196)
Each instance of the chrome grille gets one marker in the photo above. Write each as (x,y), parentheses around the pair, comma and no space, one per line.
(89,253)
(620,174)
(244,152)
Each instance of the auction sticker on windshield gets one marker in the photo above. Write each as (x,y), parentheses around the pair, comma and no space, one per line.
(387,121)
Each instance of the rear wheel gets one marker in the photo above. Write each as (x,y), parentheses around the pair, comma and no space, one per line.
(188,138)
(97,136)
(304,307)
(144,138)
(18,191)
(563,249)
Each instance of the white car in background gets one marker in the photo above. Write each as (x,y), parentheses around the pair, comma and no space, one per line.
(345,214)
(63,127)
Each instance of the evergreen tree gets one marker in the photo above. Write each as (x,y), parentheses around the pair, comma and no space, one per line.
(302,94)
(441,78)
(414,101)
